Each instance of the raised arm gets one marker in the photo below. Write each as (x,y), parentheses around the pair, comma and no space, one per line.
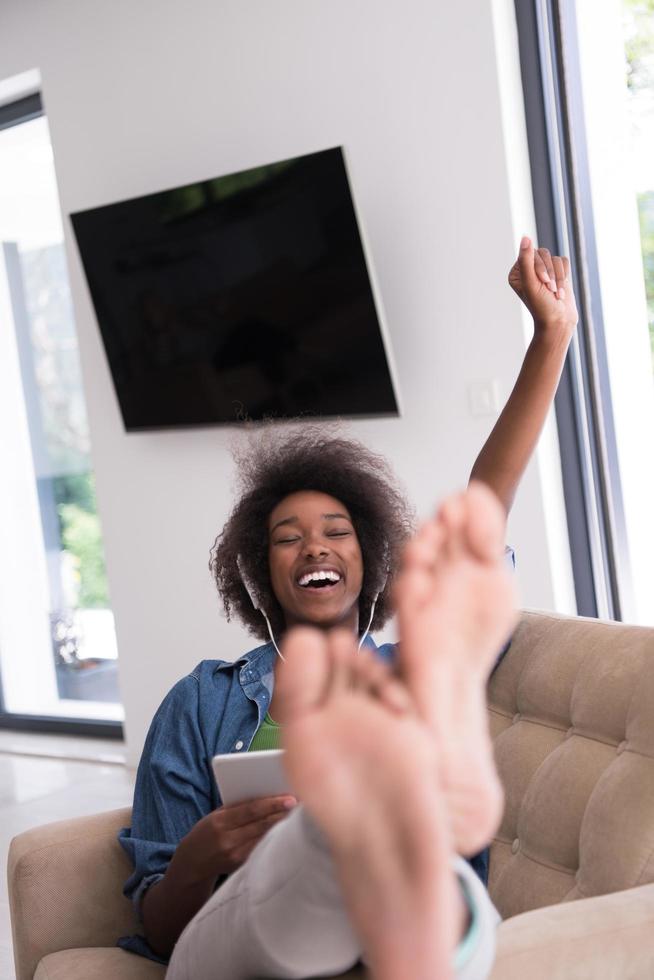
(542,281)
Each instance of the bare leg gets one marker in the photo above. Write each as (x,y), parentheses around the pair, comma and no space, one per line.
(357,755)
(359,749)
(456,607)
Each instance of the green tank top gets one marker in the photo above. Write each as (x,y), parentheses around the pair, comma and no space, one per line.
(267,736)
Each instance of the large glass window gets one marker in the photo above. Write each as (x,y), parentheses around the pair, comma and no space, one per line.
(616,70)
(588,81)
(638,37)
(58,656)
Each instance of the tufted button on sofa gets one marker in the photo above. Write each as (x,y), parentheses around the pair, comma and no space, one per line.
(572,867)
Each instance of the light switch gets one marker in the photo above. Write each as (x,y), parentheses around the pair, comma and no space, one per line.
(484,397)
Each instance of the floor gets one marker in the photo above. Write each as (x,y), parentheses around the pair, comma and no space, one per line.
(52,777)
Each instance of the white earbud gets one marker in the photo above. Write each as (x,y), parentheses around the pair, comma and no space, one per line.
(367,629)
(249,588)
(374,603)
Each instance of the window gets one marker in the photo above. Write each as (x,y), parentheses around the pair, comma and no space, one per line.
(58,656)
(587,80)
(616,95)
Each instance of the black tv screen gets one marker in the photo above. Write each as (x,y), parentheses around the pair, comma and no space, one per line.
(246,295)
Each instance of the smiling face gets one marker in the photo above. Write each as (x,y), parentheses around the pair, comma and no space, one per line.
(316,566)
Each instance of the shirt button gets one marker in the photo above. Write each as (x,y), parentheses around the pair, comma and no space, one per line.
(239,745)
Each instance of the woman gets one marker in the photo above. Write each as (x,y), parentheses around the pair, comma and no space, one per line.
(315,539)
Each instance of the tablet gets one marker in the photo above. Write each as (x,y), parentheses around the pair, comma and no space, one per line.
(245,776)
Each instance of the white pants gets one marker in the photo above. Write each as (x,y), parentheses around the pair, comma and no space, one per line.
(281,915)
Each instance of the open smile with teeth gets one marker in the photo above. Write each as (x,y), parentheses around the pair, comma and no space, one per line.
(319,580)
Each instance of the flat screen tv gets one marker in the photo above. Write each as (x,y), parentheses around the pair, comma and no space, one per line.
(246,295)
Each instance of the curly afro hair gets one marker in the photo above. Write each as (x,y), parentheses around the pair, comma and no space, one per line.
(278,463)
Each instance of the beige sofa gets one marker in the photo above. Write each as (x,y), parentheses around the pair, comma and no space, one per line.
(572,714)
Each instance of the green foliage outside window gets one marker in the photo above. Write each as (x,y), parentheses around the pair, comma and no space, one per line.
(81,537)
(646,216)
(639,44)
(639,51)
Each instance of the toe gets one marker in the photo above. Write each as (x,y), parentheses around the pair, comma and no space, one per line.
(374,678)
(485,522)
(451,517)
(420,561)
(302,679)
(394,695)
(452,512)
(342,653)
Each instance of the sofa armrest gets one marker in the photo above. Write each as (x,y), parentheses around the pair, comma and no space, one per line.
(604,937)
(65,885)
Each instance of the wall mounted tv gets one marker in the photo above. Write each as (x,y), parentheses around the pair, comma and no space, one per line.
(245,295)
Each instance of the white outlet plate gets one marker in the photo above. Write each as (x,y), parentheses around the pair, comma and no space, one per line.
(484,398)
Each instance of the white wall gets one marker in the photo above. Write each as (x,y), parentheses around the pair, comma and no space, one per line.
(147,94)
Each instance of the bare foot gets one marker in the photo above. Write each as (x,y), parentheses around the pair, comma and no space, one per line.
(357,754)
(456,607)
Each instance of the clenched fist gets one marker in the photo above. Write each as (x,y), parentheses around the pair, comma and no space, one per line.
(543,283)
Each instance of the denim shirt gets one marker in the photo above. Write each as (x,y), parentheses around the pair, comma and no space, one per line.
(215,709)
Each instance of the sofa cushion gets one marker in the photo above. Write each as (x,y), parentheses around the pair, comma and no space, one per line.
(114,964)
(100,963)
(65,888)
(607,937)
(572,711)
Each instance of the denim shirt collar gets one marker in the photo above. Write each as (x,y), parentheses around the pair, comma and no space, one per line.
(257,665)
